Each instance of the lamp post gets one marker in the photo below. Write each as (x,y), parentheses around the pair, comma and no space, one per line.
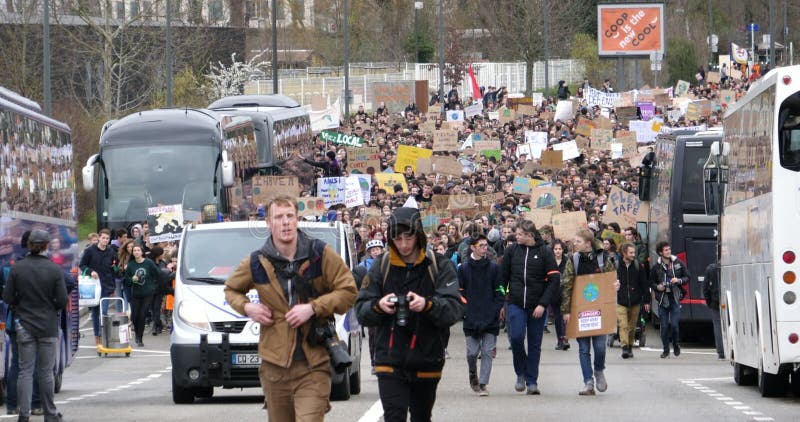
(346,29)
(417,8)
(441,52)
(274,46)
(48,101)
(168,17)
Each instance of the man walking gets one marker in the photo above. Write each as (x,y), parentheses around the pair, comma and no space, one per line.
(36,291)
(101,261)
(634,293)
(530,272)
(301,283)
(667,276)
(479,278)
(411,296)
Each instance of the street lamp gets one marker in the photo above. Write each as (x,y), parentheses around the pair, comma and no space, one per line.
(417,7)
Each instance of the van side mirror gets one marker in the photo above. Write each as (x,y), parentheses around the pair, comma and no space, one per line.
(227,171)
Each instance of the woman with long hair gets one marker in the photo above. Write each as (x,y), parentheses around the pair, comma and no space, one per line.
(143,275)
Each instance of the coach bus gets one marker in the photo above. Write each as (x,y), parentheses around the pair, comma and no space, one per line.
(759,245)
(37,191)
(161,158)
(677,214)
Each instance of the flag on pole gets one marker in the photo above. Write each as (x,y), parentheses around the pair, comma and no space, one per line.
(738,54)
(476,90)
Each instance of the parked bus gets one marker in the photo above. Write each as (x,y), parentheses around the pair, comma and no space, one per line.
(677,213)
(161,158)
(759,311)
(37,191)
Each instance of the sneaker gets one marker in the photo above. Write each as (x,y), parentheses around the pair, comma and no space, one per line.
(588,389)
(721,357)
(566,344)
(546,330)
(664,354)
(520,385)
(630,352)
(625,354)
(473,382)
(677,350)
(37,411)
(533,390)
(600,377)
(23,418)
(483,392)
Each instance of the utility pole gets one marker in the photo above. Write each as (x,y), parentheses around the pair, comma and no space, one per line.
(772,34)
(441,52)
(417,8)
(710,32)
(546,13)
(275,46)
(346,29)
(48,100)
(168,34)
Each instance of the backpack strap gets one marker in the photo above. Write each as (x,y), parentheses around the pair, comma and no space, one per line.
(575,258)
(257,270)
(433,268)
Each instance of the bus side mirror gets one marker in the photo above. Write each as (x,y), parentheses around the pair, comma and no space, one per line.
(227,170)
(715,178)
(645,181)
(88,173)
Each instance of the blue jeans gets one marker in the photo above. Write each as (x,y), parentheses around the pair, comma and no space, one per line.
(520,324)
(669,317)
(13,375)
(598,343)
(36,354)
(96,316)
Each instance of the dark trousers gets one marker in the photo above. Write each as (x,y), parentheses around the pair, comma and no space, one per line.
(13,374)
(139,307)
(403,393)
(155,312)
(669,317)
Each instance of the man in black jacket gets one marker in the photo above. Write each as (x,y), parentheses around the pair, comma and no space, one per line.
(479,278)
(667,276)
(100,261)
(711,293)
(37,292)
(412,300)
(634,292)
(532,278)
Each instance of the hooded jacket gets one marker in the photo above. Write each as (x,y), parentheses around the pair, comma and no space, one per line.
(480,287)
(530,274)
(634,288)
(334,285)
(419,346)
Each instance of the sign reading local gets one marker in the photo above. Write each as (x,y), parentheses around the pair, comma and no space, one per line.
(341,139)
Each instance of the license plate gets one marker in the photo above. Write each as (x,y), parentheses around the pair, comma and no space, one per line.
(245,359)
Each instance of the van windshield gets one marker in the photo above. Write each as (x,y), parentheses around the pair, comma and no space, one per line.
(211,256)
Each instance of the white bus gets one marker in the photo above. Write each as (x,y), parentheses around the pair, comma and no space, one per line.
(760,233)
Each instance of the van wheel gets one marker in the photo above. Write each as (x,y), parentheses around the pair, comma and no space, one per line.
(181,395)
(341,391)
(355,383)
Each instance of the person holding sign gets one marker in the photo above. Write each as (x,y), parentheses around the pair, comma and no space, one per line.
(587,260)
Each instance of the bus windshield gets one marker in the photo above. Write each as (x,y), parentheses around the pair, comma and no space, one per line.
(143,176)
(692,180)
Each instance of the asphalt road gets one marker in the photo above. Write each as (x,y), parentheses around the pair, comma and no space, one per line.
(693,387)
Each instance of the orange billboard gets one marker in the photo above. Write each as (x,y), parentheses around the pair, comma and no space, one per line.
(630,29)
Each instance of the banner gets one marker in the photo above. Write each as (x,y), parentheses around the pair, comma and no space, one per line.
(630,29)
(166,223)
(603,99)
(408,156)
(738,54)
(341,139)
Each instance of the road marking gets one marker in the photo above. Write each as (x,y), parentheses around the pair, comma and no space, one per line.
(724,398)
(690,352)
(763,418)
(737,405)
(374,413)
(733,403)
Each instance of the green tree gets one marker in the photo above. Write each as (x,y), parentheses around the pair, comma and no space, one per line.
(584,47)
(681,60)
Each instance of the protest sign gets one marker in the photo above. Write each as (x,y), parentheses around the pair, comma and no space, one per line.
(646,131)
(428,127)
(493,115)
(567,224)
(521,185)
(601,139)
(546,197)
(431,219)
(712,77)
(434,112)
(446,166)
(506,115)
(341,138)
(569,150)
(408,156)
(625,114)
(445,141)
(625,100)
(552,159)
(332,190)
(662,100)
(526,110)
(585,126)
(593,305)
(266,187)
(387,181)
(365,160)
(547,116)
(310,205)
(726,96)
(616,150)
(564,110)
(681,88)
(166,223)
(454,115)
(473,110)
(352,193)
(603,99)
(440,202)
(603,122)
(492,153)
(618,238)
(461,201)
(629,146)
(424,166)
(395,94)
(484,145)
(647,110)
(623,208)
(523,149)
(582,142)
(537,98)
(540,216)
(705,107)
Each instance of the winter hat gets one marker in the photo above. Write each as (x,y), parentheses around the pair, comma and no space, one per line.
(374,243)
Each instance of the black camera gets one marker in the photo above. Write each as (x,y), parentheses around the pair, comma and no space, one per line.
(322,333)
(401,306)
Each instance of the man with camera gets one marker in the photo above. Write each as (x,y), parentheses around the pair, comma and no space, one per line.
(301,283)
(411,296)
(668,276)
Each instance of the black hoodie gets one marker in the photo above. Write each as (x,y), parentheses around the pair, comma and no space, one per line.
(480,287)
(530,274)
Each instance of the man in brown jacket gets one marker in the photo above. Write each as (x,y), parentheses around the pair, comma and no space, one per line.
(298,283)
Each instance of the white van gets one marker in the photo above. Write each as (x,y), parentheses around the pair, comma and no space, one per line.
(214,346)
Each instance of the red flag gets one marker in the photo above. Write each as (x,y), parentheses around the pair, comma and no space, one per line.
(476,90)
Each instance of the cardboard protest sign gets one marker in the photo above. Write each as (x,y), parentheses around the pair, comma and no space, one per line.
(585,126)
(568,149)
(526,110)
(484,145)
(552,159)
(440,202)
(582,142)
(593,307)
(424,166)
(625,100)
(521,185)
(310,205)
(540,216)
(388,180)
(428,127)
(445,141)
(681,88)
(546,197)
(567,224)
(341,138)
(564,110)
(461,201)
(365,160)
(629,146)
(662,100)
(492,153)
(332,190)
(618,238)
(547,116)
(625,114)
(395,94)
(706,107)
(623,208)
(434,112)
(447,166)
(506,115)
(601,139)
(431,219)
(408,156)
(166,223)
(712,77)
(473,110)
(266,187)
(603,122)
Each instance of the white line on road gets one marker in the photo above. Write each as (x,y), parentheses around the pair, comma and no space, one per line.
(746,410)
(374,413)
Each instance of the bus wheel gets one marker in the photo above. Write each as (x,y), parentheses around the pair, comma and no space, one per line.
(743,375)
(771,385)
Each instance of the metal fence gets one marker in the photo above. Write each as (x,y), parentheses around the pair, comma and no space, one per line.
(327,82)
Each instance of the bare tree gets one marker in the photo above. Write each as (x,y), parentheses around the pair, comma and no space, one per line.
(20,48)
